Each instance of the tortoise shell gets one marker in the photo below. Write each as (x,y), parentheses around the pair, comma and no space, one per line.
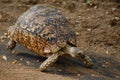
(47,25)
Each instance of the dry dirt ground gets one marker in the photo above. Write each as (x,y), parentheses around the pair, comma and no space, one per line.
(97,26)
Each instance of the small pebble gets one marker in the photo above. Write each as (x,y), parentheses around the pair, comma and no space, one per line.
(113,9)
(117,18)
(88,17)
(38,60)
(8,36)
(64,3)
(104,65)
(21,59)
(93,75)
(89,30)
(88,9)
(59,70)
(19,64)
(5,34)
(77,33)
(117,76)
(13,52)
(106,62)
(79,16)
(95,7)
(107,52)
(28,62)
(5,58)
(107,12)
(14,62)
(78,74)
(2,37)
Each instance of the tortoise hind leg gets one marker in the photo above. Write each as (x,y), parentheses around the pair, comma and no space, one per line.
(11,44)
(49,61)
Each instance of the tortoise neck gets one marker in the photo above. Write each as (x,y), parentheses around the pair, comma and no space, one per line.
(73,51)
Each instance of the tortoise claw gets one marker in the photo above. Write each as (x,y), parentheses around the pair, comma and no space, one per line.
(87,61)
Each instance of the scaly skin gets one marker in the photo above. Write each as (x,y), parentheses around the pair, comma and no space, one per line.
(86,60)
(49,61)
(11,44)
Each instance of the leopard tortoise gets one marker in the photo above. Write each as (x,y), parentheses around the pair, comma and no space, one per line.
(44,30)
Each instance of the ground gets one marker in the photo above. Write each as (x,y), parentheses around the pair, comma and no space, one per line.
(97,25)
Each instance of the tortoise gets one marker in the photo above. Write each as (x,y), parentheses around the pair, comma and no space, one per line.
(44,30)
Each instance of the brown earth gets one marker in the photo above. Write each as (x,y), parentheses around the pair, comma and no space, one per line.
(97,26)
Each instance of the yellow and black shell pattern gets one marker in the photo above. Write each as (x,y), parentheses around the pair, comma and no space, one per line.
(49,24)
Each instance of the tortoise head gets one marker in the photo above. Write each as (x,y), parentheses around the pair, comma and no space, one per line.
(78,54)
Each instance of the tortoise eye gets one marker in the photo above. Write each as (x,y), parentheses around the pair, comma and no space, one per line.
(52,40)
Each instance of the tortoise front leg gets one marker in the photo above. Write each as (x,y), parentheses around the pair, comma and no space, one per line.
(49,61)
(85,59)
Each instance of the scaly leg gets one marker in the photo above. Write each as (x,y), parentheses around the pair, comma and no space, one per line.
(86,60)
(11,44)
(49,61)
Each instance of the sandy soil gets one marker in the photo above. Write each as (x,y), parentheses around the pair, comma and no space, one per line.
(97,26)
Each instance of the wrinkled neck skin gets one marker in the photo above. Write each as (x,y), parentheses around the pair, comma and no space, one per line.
(73,51)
